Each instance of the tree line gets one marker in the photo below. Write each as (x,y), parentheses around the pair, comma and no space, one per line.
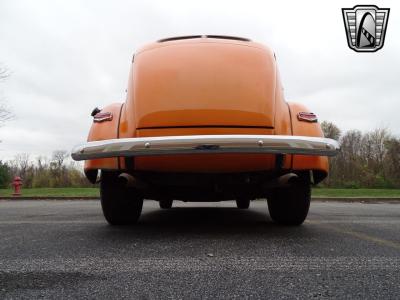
(43,172)
(366,160)
(370,160)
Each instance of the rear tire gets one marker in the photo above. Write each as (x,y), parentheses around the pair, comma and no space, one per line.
(121,205)
(289,206)
(166,203)
(242,203)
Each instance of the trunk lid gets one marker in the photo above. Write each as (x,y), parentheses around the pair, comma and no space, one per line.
(204,84)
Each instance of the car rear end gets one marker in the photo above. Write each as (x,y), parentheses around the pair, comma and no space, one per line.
(205,120)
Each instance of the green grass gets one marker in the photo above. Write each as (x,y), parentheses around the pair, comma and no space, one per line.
(55,192)
(328,192)
(94,192)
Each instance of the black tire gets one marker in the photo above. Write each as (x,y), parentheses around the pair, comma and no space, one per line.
(121,205)
(242,203)
(289,206)
(166,203)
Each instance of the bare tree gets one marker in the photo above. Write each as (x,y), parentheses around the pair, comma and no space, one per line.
(58,157)
(22,164)
(374,149)
(42,162)
(5,113)
(330,130)
(348,165)
(4,73)
(392,161)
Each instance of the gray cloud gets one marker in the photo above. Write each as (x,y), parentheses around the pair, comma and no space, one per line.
(68,57)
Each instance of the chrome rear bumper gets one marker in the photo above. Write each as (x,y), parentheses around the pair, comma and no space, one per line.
(194,144)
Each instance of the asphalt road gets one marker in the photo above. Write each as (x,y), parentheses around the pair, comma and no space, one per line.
(64,249)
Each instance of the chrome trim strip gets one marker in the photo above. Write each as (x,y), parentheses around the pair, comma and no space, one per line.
(195,144)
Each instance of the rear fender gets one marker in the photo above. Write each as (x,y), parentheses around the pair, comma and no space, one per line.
(108,129)
(319,164)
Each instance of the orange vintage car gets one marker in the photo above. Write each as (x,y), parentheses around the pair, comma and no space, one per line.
(205,119)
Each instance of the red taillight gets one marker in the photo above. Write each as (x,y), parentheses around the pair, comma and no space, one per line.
(102,116)
(307,116)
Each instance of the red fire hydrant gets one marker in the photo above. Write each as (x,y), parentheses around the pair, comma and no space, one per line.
(17,183)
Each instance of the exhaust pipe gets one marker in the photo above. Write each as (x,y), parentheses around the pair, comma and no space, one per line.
(281,181)
(127,180)
(287,179)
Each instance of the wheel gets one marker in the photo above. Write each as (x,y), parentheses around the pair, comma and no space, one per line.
(289,206)
(121,205)
(166,203)
(242,203)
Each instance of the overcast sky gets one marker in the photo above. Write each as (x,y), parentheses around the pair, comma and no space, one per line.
(66,57)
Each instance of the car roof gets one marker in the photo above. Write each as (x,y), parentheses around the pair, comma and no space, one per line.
(192,39)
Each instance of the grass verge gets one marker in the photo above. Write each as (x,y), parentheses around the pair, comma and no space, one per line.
(94,192)
(54,192)
(367,193)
